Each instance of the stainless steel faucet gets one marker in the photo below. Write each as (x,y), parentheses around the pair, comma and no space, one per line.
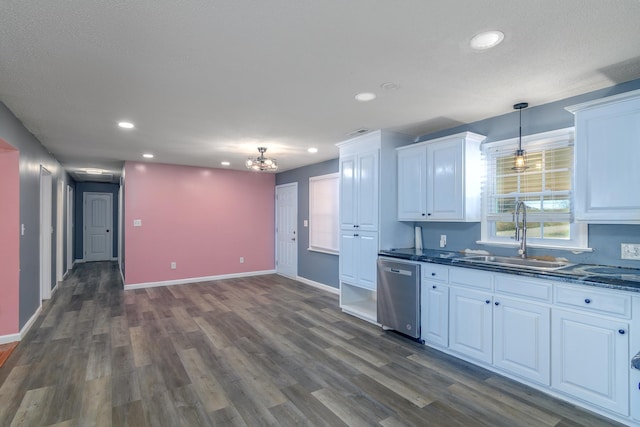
(521,232)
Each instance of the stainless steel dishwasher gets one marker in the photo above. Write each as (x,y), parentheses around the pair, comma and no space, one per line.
(399,296)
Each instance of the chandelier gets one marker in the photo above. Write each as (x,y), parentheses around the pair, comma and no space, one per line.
(262,163)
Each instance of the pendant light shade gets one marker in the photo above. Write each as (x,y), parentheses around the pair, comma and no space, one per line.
(262,163)
(519,160)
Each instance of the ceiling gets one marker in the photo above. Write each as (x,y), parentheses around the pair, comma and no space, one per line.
(207,81)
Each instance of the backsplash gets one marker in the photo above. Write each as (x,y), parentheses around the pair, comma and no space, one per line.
(605,241)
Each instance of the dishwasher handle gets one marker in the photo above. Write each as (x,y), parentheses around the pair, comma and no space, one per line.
(397,271)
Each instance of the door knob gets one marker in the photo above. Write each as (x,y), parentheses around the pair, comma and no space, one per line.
(293,238)
(107,231)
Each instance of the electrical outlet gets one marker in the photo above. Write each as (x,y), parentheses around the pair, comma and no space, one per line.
(241,260)
(443,240)
(630,251)
(173,266)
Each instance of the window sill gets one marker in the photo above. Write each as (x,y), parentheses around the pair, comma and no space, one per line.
(324,251)
(573,249)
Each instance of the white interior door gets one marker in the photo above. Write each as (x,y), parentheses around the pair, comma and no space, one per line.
(98,226)
(287,229)
(45,233)
(70,225)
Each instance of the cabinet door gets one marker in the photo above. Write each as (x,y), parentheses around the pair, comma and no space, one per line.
(348,253)
(522,338)
(607,150)
(445,174)
(348,191)
(367,191)
(434,313)
(470,330)
(412,181)
(367,256)
(591,359)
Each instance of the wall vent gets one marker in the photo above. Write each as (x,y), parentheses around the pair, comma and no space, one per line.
(358,132)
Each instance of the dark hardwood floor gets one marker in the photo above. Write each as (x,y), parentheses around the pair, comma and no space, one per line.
(254,351)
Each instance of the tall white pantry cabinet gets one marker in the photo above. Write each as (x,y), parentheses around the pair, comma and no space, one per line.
(368,223)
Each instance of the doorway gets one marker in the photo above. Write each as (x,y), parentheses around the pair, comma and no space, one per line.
(98,226)
(287,229)
(59,231)
(70,226)
(45,233)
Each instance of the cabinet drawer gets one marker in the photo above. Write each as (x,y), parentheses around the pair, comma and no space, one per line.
(470,277)
(586,298)
(436,272)
(519,286)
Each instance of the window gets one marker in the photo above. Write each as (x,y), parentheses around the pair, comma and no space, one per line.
(545,187)
(324,191)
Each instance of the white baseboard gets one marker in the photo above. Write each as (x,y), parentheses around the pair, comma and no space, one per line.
(196,279)
(6,339)
(318,285)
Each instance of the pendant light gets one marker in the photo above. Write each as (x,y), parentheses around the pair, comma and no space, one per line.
(519,158)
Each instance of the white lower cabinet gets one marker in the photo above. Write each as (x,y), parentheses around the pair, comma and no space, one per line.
(470,328)
(358,255)
(521,338)
(435,313)
(591,359)
(569,339)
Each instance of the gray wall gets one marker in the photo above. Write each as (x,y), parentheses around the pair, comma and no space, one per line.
(604,239)
(32,156)
(316,266)
(94,187)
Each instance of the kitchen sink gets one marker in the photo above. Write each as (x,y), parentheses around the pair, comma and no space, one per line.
(529,263)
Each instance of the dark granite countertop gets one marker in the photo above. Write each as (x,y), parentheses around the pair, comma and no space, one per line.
(603,276)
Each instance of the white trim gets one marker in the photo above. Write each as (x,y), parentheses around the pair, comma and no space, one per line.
(621,97)
(196,279)
(30,322)
(535,140)
(121,273)
(324,251)
(6,339)
(534,245)
(318,285)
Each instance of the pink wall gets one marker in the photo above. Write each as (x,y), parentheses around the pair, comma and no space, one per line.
(9,239)
(202,219)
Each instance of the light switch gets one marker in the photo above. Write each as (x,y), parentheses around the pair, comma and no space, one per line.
(306,222)
(22,229)
(137,223)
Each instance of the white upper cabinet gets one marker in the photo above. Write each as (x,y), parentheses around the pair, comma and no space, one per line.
(439,180)
(607,149)
(412,183)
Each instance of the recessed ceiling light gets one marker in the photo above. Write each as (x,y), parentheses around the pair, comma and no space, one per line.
(486,40)
(365,96)
(225,163)
(147,156)
(126,125)
(312,150)
(93,171)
